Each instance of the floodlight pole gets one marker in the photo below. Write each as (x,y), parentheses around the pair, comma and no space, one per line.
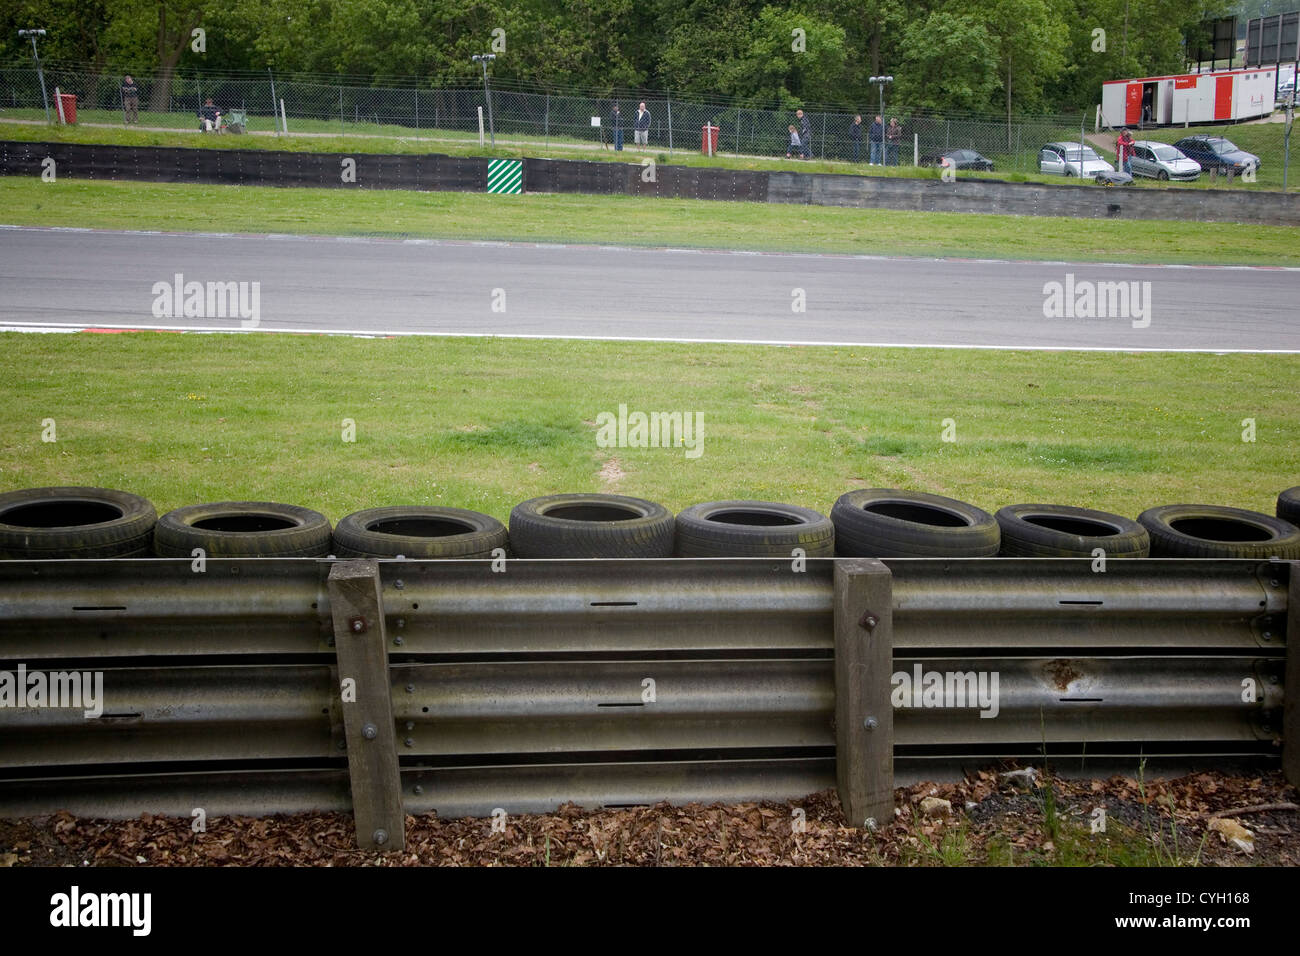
(880,82)
(483,58)
(39,72)
(1286,143)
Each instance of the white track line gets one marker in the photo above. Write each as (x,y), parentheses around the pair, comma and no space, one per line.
(801,343)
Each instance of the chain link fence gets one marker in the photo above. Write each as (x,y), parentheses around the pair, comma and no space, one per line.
(540,121)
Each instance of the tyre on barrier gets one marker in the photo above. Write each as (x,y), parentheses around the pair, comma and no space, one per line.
(1060,531)
(75,522)
(418,531)
(243,529)
(590,526)
(1215,531)
(892,523)
(1288,505)
(753,529)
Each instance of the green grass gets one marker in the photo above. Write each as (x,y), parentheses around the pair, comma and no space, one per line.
(626,220)
(1265,140)
(486,423)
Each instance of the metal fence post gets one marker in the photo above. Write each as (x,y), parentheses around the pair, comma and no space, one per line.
(669,100)
(1291,688)
(356,607)
(864,716)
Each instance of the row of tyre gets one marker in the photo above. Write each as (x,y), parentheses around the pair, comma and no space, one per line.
(78,522)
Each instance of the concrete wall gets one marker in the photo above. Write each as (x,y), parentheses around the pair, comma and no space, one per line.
(438,172)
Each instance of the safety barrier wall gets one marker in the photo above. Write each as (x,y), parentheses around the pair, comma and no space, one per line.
(438,172)
(257,686)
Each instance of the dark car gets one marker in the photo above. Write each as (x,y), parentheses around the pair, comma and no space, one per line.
(1215,152)
(959,158)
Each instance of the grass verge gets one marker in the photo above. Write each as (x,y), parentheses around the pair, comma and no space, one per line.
(486,423)
(626,220)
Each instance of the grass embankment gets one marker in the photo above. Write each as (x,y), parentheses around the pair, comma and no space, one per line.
(486,423)
(626,220)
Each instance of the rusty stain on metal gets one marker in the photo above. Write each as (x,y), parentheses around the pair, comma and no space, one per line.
(1062,673)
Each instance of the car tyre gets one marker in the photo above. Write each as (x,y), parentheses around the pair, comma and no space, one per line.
(75,522)
(1213,531)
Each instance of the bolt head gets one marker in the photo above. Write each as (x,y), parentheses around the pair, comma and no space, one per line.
(380,837)
(409,741)
(399,584)
(410,688)
(398,641)
(418,789)
(871,723)
(370,731)
(357,625)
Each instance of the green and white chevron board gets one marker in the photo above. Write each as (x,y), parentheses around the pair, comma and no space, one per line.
(505,175)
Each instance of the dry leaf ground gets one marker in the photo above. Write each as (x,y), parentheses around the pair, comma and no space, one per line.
(1151,823)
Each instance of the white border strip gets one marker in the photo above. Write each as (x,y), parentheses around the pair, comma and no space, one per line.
(801,343)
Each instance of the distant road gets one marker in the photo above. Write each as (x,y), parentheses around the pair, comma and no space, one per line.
(66,279)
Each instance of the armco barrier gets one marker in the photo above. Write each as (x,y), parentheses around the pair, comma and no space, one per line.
(437,172)
(259,686)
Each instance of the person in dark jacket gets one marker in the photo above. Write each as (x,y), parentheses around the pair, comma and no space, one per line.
(130,100)
(805,134)
(209,116)
(876,137)
(616,123)
(855,137)
(893,136)
(641,129)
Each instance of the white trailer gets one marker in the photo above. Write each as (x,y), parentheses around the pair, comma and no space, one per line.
(1192,98)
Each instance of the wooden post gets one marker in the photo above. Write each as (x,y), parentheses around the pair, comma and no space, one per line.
(356,606)
(1291,689)
(864,717)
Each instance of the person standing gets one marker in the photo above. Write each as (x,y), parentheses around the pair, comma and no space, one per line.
(855,137)
(874,136)
(893,135)
(805,134)
(130,101)
(641,130)
(616,122)
(1124,150)
(795,146)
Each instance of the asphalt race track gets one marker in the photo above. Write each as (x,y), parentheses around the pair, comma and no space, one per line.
(59,279)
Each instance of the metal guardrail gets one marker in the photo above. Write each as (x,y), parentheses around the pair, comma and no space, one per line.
(620,681)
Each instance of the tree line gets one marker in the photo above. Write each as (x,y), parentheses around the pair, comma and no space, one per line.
(1012,56)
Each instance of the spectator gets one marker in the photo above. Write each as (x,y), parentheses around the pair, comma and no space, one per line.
(1124,150)
(130,100)
(795,147)
(874,135)
(855,136)
(209,116)
(805,134)
(893,136)
(641,132)
(616,123)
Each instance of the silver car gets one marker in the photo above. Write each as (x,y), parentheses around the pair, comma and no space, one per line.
(1162,161)
(1065,159)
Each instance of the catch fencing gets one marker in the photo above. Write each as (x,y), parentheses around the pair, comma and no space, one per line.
(546,121)
(258,686)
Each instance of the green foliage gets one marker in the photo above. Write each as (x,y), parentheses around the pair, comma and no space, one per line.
(1008,55)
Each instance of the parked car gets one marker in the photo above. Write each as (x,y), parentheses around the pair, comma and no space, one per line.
(1215,152)
(1162,161)
(1070,159)
(959,158)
